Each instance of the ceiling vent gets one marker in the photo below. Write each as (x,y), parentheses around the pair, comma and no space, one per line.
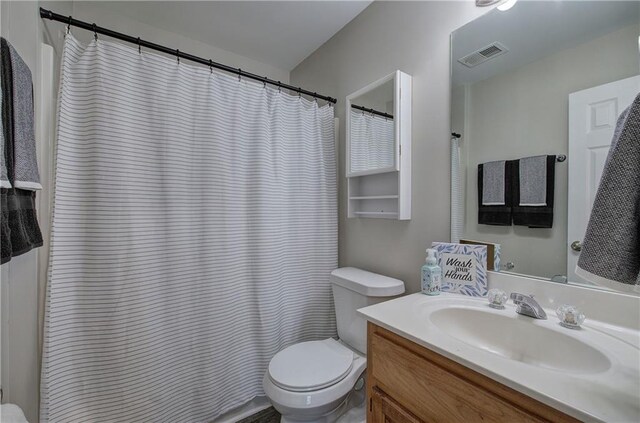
(483,54)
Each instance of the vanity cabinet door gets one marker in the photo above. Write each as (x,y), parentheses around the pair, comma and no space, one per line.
(385,410)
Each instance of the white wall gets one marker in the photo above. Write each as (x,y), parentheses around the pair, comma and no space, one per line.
(525,113)
(101,14)
(414,38)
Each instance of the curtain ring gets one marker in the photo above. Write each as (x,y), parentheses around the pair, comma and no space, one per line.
(95,33)
(279,84)
(178,55)
(239,75)
(299,92)
(139,47)
(264,83)
(210,66)
(315,97)
(68,24)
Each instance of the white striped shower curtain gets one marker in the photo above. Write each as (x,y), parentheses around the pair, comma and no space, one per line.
(372,143)
(194,230)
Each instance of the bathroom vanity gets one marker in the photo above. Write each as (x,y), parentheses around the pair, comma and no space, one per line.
(410,383)
(452,358)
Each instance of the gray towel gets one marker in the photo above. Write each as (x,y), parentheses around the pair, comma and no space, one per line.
(19,231)
(611,248)
(4,174)
(533,181)
(25,170)
(493,183)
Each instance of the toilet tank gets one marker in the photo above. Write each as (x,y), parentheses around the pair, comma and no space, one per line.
(353,289)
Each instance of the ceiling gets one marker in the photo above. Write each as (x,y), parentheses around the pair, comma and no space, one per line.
(532,30)
(278,33)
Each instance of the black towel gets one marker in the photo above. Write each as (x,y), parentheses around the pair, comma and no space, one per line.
(5,232)
(20,231)
(533,216)
(496,215)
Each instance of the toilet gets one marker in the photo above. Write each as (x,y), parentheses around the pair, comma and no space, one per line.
(324,381)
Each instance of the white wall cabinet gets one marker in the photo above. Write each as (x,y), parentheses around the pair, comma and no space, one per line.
(379,149)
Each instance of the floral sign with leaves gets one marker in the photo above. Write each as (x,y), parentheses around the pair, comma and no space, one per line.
(464,268)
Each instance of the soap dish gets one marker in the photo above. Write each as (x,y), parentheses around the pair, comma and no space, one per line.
(570,317)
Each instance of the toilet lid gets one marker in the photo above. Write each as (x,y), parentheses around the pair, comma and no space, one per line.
(309,366)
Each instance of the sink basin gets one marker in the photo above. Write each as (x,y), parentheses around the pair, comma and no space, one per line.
(520,338)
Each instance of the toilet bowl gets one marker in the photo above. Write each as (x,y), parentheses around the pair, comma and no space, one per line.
(324,381)
(307,381)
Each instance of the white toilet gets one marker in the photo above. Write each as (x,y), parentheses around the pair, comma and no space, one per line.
(324,381)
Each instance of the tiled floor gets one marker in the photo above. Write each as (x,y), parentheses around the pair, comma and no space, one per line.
(265,416)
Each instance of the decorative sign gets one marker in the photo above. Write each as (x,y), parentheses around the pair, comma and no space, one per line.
(464,268)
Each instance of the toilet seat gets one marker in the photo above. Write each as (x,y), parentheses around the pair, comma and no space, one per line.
(310,366)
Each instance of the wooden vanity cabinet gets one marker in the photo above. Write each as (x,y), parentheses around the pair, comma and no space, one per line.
(408,383)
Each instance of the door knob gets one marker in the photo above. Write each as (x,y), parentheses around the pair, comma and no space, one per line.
(576,246)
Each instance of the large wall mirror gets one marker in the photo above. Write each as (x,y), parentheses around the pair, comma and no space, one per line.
(536,91)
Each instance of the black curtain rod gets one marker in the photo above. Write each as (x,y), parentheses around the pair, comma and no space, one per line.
(373,111)
(48,14)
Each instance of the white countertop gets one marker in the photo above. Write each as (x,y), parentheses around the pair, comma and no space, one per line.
(610,394)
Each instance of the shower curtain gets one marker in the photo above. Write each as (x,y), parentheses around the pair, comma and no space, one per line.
(194,230)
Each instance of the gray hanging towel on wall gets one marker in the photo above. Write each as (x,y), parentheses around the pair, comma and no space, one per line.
(493,184)
(25,172)
(497,210)
(20,231)
(533,191)
(611,247)
(4,174)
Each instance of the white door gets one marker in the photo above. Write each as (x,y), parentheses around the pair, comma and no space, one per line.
(592,120)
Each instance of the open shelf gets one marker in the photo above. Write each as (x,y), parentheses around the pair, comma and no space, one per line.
(374,197)
(376,214)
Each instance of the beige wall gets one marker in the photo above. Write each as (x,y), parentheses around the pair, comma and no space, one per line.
(414,38)
(524,113)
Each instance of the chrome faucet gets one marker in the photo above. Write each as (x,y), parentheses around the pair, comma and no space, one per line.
(528,306)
